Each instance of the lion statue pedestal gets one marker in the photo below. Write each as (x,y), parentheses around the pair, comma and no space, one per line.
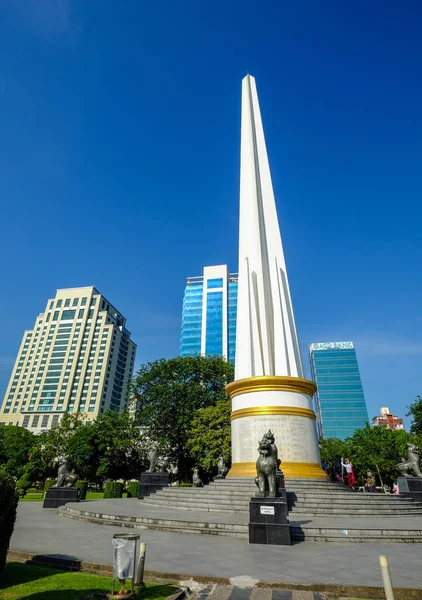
(268,514)
(410,478)
(64,490)
(156,478)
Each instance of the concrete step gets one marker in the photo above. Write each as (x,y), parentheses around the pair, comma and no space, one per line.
(201,493)
(305,510)
(355,499)
(179,526)
(364,536)
(299,531)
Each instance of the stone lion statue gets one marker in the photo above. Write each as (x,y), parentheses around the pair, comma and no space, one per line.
(266,468)
(412,464)
(196,480)
(65,477)
(222,469)
(157,464)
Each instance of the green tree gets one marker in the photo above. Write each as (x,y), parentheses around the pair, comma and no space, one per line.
(378,450)
(330,449)
(167,394)
(120,446)
(210,435)
(16,446)
(112,447)
(50,445)
(415,411)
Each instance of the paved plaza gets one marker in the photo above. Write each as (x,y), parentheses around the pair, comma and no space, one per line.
(43,531)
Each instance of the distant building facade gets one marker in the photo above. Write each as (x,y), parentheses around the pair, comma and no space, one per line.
(209,314)
(386,419)
(339,401)
(78,358)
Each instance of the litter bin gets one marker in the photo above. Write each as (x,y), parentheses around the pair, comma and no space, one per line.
(125,551)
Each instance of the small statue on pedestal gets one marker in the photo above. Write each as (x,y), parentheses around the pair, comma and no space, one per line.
(65,477)
(412,464)
(157,464)
(267,466)
(196,480)
(222,469)
(174,475)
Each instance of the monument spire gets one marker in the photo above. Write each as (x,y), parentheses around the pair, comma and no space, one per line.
(269,391)
(267,342)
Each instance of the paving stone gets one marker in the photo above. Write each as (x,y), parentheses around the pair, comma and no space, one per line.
(240,593)
(221,592)
(259,593)
(282,595)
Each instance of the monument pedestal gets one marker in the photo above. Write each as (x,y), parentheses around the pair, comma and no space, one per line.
(268,521)
(410,487)
(58,496)
(149,483)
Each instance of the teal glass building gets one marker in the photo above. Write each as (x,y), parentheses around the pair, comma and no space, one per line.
(209,314)
(339,401)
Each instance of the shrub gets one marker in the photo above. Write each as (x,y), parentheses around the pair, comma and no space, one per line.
(185,485)
(132,489)
(83,488)
(49,483)
(8,504)
(113,489)
(23,485)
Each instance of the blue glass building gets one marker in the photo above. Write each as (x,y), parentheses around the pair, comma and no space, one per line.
(339,401)
(209,314)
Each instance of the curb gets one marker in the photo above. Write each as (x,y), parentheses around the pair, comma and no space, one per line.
(334,590)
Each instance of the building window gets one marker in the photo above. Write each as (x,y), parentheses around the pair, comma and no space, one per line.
(67,302)
(75,302)
(51,304)
(81,313)
(55,420)
(35,420)
(56,315)
(59,303)
(68,315)
(83,301)
(93,300)
(91,313)
(215,283)
(45,419)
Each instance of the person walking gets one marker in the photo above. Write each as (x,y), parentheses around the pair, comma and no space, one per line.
(347,465)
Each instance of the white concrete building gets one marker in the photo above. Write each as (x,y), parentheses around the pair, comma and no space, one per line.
(78,358)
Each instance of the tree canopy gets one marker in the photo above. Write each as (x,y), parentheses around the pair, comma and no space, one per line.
(210,435)
(375,449)
(16,446)
(415,411)
(168,393)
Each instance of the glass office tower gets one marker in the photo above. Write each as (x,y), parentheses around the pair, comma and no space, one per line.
(209,314)
(339,401)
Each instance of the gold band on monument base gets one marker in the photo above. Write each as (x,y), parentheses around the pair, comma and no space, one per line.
(290,469)
(265,383)
(259,411)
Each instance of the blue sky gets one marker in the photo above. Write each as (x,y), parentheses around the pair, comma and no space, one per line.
(119,166)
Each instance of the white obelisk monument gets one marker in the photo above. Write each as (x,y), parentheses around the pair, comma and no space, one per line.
(269,391)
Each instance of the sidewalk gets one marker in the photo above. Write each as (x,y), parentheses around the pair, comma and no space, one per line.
(42,531)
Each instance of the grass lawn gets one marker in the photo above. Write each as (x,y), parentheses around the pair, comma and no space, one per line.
(32,497)
(30,582)
(38,496)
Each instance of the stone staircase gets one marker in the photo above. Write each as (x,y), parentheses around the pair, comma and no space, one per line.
(307,497)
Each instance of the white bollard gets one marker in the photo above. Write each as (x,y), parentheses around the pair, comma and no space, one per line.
(386,578)
(139,579)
